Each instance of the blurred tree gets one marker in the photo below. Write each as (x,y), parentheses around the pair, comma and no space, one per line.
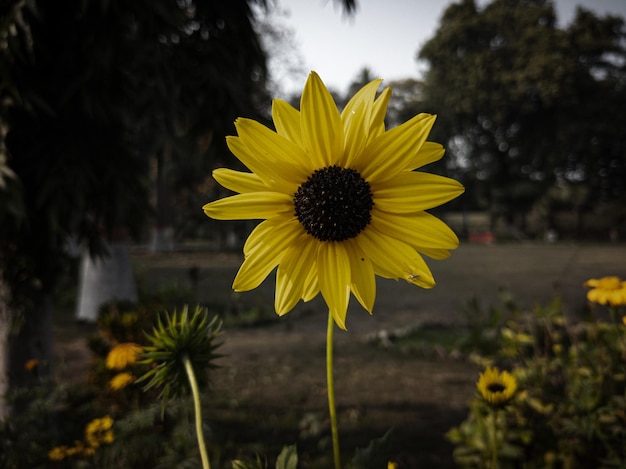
(406,100)
(285,62)
(525,105)
(89,92)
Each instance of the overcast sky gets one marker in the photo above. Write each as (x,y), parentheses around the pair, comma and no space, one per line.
(383,35)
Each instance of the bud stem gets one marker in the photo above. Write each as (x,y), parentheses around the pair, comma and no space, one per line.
(197,410)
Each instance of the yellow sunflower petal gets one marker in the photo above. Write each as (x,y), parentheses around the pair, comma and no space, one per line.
(418,229)
(365,96)
(311,285)
(592,282)
(429,153)
(334,278)
(292,273)
(395,259)
(288,160)
(377,124)
(287,121)
(412,191)
(250,206)
(238,181)
(263,168)
(267,229)
(322,132)
(363,281)
(263,258)
(433,253)
(356,117)
(393,150)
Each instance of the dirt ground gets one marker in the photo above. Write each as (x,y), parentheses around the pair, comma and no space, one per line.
(271,386)
(276,377)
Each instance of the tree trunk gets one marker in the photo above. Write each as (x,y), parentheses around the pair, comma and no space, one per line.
(30,339)
(5,328)
(163,231)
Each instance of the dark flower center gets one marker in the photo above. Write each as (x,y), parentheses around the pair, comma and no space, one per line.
(334,204)
(496,387)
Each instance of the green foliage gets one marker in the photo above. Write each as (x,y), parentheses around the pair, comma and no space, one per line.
(286,459)
(145,438)
(375,456)
(124,321)
(571,403)
(146,434)
(526,106)
(48,415)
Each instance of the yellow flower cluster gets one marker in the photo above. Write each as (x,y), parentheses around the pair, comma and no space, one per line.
(98,432)
(61,452)
(607,291)
(119,357)
(496,387)
(123,355)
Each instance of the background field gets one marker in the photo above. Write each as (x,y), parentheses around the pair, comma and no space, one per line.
(270,390)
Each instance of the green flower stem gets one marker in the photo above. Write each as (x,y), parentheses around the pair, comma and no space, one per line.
(493,438)
(197,410)
(331,391)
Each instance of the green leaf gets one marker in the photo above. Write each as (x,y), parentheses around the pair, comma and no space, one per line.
(288,458)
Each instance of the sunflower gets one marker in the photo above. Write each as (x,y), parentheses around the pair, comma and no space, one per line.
(607,290)
(122,355)
(339,197)
(496,387)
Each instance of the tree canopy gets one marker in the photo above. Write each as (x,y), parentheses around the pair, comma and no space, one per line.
(526,106)
(91,90)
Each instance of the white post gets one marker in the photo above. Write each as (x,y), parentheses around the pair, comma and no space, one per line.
(103,280)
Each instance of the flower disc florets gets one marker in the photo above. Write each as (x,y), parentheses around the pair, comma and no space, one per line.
(334,204)
(496,387)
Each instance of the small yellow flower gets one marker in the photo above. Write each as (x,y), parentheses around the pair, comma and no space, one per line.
(122,355)
(392,465)
(88,450)
(340,199)
(607,290)
(77,449)
(121,380)
(496,387)
(31,364)
(129,319)
(99,431)
(58,453)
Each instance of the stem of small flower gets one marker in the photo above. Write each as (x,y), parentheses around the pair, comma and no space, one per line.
(331,391)
(197,410)
(493,438)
